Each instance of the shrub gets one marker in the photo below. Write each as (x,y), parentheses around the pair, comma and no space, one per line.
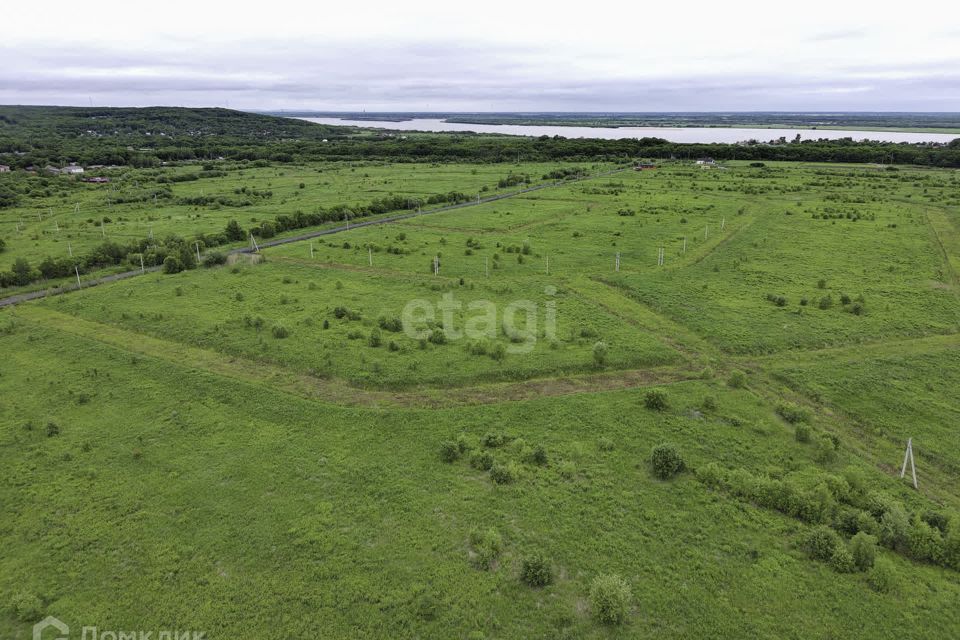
(610,599)
(666,461)
(802,433)
(605,444)
(486,547)
(711,475)
(883,577)
(825,302)
(844,299)
(709,403)
(438,336)
(827,449)
(567,469)
(924,542)
(279,331)
(894,527)
(172,264)
(53,429)
(821,284)
(503,473)
(394,325)
(375,340)
(214,259)
(737,379)
(655,399)
(449,451)
(535,570)
(27,607)
(463,445)
(600,351)
(863,548)
(951,544)
(707,373)
(821,543)
(493,440)
(842,560)
(537,455)
(482,460)
(793,413)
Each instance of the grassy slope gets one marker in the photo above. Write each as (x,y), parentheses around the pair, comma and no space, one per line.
(195,486)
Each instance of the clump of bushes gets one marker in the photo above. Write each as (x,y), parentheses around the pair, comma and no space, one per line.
(793,413)
(600,351)
(883,577)
(666,461)
(493,440)
(535,570)
(279,331)
(863,548)
(610,599)
(821,543)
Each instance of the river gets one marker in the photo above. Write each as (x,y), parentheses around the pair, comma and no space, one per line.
(674,134)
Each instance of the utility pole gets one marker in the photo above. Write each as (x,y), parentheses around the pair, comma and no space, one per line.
(311,249)
(77,271)
(143,269)
(370,255)
(616,266)
(908,456)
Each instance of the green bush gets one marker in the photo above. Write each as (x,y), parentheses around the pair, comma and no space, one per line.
(793,413)
(449,451)
(842,560)
(802,432)
(535,570)
(924,542)
(600,352)
(172,264)
(53,429)
(666,461)
(486,547)
(214,259)
(709,403)
(655,400)
(863,548)
(883,577)
(26,607)
(375,339)
(610,599)
(482,460)
(537,455)
(894,527)
(821,543)
(503,473)
(737,379)
(493,440)
(279,331)
(951,544)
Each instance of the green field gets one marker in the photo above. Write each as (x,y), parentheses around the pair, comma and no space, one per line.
(264,450)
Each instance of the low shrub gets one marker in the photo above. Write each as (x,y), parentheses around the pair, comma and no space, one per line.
(482,460)
(449,451)
(883,577)
(655,400)
(802,433)
(279,331)
(610,599)
(486,547)
(793,413)
(666,461)
(493,440)
(503,473)
(863,548)
(737,379)
(535,570)
(842,560)
(821,543)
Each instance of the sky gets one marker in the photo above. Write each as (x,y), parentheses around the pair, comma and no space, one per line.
(496,55)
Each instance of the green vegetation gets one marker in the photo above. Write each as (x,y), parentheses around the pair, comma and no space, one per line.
(280,432)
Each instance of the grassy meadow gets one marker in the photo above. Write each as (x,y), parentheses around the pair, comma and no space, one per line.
(261,449)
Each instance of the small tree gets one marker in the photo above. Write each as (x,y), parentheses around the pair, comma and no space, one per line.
(883,577)
(22,272)
(821,543)
(610,599)
(737,379)
(449,451)
(172,264)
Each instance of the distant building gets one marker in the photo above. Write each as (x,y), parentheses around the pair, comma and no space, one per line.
(51,170)
(72,169)
(644,165)
(706,161)
(4,168)
(96,180)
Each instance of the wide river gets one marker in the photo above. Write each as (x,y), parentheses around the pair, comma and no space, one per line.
(674,134)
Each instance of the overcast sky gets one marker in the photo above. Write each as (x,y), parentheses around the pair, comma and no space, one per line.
(493,55)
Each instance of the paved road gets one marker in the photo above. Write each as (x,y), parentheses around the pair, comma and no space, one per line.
(34,295)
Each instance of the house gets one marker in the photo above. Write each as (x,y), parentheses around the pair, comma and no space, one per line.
(4,168)
(72,169)
(96,180)
(51,170)
(706,161)
(644,165)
